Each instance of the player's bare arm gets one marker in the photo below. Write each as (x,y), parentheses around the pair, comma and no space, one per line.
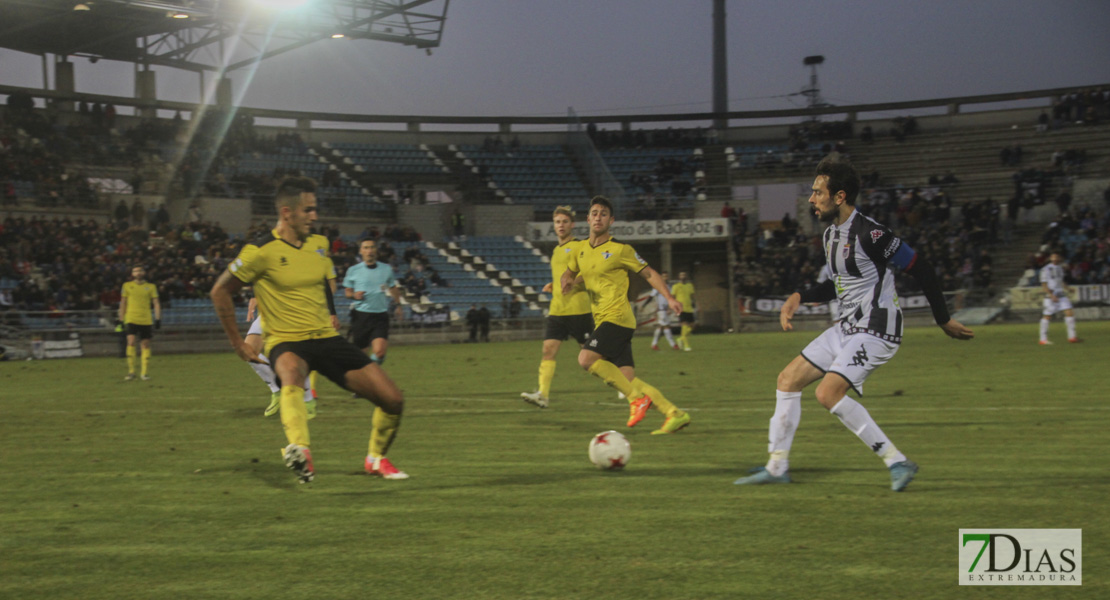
(222,294)
(122,309)
(786,313)
(656,281)
(956,330)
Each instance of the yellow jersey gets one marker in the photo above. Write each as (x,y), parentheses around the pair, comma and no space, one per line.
(139,298)
(684,293)
(604,270)
(578,302)
(290,284)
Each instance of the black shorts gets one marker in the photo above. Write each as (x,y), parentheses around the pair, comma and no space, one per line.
(685,317)
(143,332)
(614,343)
(333,357)
(366,327)
(560,327)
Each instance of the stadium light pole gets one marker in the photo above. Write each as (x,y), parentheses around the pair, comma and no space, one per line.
(720,66)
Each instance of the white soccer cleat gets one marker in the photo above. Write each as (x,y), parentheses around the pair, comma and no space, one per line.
(535,399)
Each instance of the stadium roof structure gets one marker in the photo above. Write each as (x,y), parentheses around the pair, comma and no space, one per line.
(210,35)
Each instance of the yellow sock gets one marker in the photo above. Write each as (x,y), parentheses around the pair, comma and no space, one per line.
(385,429)
(145,361)
(130,360)
(685,337)
(658,400)
(312,380)
(611,375)
(547,372)
(294,415)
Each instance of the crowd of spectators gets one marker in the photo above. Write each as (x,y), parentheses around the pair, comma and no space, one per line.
(1082,236)
(65,264)
(1085,107)
(651,138)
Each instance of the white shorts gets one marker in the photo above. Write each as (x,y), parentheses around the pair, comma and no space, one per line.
(662,318)
(1052,307)
(853,356)
(256,327)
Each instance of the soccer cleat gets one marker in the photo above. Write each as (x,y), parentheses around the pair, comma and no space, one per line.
(655,346)
(637,409)
(1074,340)
(144,377)
(1045,343)
(275,405)
(761,476)
(381,467)
(534,398)
(676,347)
(901,474)
(299,459)
(130,377)
(310,409)
(688,348)
(673,423)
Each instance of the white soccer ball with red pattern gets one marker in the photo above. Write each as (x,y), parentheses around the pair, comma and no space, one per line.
(610,451)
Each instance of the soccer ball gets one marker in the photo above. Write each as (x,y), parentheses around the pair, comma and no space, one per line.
(610,451)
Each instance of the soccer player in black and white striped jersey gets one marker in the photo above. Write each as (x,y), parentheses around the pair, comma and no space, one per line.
(861,254)
(1056,299)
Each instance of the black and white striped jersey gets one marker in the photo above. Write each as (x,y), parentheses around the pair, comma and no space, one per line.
(860,253)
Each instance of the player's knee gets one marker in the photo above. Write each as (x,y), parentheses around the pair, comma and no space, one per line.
(788,381)
(393,402)
(586,361)
(827,396)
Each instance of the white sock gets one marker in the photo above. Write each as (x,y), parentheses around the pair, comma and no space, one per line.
(1070,322)
(308,389)
(856,418)
(266,373)
(1044,330)
(788,413)
(670,336)
(655,338)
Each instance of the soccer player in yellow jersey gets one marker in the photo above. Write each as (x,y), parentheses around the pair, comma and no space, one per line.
(294,298)
(569,314)
(136,300)
(684,292)
(603,264)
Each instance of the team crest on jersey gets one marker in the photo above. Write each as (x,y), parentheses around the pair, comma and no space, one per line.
(876,234)
(606,255)
(320,251)
(846,250)
(566,251)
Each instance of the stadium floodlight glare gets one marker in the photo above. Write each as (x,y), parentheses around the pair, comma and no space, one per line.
(80,7)
(180,15)
(279,5)
(337,36)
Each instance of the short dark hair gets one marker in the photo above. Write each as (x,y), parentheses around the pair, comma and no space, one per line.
(367,239)
(603,201)
(842,176)
(290,188)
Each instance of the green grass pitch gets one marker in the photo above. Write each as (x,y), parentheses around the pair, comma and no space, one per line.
(174,488)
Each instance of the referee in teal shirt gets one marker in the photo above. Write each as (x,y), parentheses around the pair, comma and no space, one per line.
(368,284)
